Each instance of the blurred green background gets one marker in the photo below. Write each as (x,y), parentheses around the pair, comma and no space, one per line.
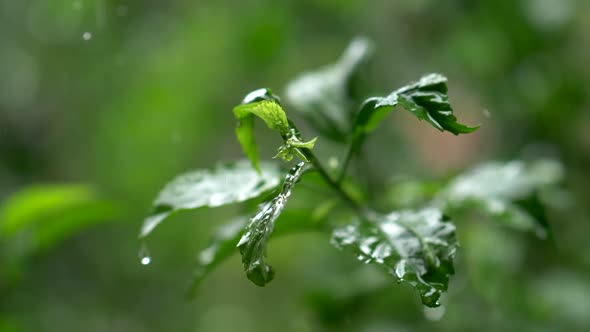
(116,97)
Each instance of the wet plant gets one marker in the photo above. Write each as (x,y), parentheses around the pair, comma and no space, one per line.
(415,243)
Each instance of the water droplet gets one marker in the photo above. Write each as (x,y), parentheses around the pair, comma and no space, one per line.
(87,35)
(434,314)
(144,255)
(146,260)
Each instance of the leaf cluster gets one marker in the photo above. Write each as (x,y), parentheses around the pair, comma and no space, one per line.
(415,245)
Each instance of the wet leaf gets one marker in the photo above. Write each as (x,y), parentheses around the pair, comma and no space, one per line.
(416,247)
(223,243)
(507,192)
(226,183)
(267,110)
(252,244)
(291,147)
(328,97)
(427,99)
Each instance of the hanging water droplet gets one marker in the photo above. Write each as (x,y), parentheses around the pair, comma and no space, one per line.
(144,255)
(434,314)
(87,35)
(146,260)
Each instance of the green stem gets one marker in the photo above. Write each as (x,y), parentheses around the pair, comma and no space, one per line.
(345,165)
(308,154)
(333,184)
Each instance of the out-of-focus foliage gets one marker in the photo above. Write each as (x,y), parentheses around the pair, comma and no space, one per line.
(125,94)
(41,216)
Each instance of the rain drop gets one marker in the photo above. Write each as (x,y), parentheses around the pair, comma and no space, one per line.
(87,35)
(146,260)
(434,314)
(144,255)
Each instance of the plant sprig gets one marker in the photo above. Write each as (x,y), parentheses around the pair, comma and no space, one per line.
(415,245)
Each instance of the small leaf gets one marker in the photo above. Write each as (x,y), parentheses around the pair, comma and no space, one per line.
(292,145)
(416,247)
(224,184)
(427,99)
(507,192)
(252,245)
(328,97)
(270,112)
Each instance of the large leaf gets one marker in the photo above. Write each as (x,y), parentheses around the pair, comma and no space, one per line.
(427,99)
(49,213)
(507,192)
(267,110)
(39,217)
(252,245)
(416,247)
(328,97)
(224,184)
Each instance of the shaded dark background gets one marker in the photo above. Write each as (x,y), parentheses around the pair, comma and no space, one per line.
(125,94)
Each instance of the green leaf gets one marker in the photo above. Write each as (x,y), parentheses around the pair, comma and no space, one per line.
(292,145)
(252,245)
(427,99)
(416,247)
(507,192)
(270,112)
(224,184)
(225,239)
(328,97)
(39,217)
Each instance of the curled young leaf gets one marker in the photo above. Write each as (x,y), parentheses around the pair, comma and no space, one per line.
(293,144)
(252,245)
(427,99)
(224,184)
(267,110)
(328,97)
(416,247)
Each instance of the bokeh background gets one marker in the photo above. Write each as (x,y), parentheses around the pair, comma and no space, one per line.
(117,97)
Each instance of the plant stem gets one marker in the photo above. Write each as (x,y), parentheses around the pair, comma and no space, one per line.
(333,184)
(345,165)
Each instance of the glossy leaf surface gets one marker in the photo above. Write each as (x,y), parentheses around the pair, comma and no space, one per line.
(224,184)
(507,192)
(267,110)
(427,99)
(252,244)
(327,97)
(416,247)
